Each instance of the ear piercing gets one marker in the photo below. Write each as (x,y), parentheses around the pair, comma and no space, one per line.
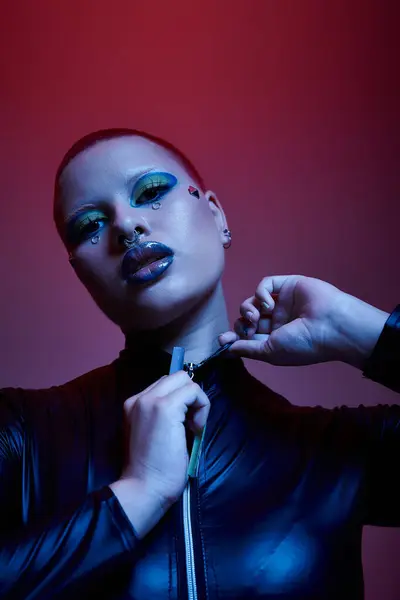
(229,242)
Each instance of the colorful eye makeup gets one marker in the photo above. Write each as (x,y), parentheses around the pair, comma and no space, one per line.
(89,221)
(152,187)
(85,225)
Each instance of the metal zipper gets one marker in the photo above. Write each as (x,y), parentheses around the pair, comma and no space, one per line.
(187,529)
(187,522)
(188,534)
(190,369)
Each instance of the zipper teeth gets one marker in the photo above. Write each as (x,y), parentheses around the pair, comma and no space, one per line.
(190,568)
(191,367)
(187,529)
(187,523)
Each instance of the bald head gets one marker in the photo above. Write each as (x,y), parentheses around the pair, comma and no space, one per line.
(95,137)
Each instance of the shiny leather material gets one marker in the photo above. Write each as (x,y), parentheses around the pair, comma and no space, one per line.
(277,510)
(383,364)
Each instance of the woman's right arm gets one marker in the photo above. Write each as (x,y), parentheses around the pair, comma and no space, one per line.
(43,559)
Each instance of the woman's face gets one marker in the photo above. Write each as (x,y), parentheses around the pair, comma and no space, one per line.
(105,193)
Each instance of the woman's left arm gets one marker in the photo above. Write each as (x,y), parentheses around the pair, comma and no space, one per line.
(296,320)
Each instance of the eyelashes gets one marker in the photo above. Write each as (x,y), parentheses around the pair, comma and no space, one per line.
(85,226)
(152,187)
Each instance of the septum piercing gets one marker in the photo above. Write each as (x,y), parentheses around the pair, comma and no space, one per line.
(130,243)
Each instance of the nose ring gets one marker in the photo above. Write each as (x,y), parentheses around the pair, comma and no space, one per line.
(130,243)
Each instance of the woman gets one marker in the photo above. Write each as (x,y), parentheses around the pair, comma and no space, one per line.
(95,499)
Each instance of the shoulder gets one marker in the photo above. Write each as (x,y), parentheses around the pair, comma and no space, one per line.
(19,404)
(322,426)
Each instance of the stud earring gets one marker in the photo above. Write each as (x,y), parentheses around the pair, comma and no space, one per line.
(227,244)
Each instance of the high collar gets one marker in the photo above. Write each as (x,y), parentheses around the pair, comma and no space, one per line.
(157,361)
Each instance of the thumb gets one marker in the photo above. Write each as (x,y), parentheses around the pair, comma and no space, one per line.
(257,349)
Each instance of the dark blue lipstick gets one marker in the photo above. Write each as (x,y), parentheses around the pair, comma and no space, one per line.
(145,262)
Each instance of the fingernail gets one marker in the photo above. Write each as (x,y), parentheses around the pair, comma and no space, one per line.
(265,305)
(249,316)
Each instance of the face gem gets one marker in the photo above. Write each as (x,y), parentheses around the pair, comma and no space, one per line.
(193,191)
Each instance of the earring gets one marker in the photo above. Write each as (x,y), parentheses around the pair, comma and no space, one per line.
(229,242)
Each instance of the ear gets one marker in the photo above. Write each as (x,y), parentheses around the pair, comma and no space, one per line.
(218,213)
(71,260)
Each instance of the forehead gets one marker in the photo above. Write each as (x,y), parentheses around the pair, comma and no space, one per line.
(107,166)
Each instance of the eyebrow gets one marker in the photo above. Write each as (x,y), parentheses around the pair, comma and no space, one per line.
(129,182)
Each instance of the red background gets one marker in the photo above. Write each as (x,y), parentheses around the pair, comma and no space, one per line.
(290,110)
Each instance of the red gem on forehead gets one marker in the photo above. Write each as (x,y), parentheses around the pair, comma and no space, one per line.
(193,191)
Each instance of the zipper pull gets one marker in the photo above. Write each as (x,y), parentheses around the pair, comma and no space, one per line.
(198,439)
(189,367)
(195,456)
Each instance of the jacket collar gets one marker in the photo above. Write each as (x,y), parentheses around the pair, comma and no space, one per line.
(157,361)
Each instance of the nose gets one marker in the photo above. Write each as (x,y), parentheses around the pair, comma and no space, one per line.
(128,227)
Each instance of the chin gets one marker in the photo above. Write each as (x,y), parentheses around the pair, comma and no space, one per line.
(157,305)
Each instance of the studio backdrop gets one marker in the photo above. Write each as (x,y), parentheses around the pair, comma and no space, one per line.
(288,108)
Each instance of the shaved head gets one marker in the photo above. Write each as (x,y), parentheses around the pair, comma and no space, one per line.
(95,137)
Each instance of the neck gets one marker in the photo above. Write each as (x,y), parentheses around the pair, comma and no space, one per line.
(197,331)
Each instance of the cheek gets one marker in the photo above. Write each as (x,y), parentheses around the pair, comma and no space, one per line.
(192,225)
(93,264)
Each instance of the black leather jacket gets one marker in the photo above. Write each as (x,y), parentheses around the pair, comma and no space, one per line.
(276,510)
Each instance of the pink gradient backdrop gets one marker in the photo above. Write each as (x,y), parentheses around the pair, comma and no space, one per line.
(290,109)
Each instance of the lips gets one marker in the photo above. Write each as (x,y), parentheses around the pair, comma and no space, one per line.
(142,255)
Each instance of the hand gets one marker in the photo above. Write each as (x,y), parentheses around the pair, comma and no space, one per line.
(306,321)
(156,471)
(156,417)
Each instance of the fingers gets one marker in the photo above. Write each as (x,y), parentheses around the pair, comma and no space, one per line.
(245,330)
(174,395)
(169,383)
(270,285)
(262,304)
(191,396)
(228,337)
(250,309)
(165,385)
(254,348)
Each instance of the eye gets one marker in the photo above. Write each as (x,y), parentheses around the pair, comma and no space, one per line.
(152,187)
(85,226)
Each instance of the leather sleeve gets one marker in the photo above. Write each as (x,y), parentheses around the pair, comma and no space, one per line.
(383,366)
(366,441)
(48,559)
